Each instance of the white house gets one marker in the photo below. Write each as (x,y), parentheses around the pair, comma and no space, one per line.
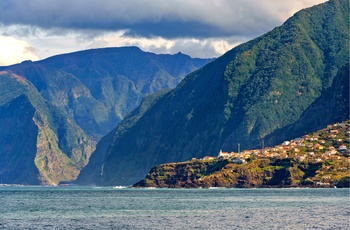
(224,155)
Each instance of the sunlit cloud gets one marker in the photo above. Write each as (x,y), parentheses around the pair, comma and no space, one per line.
(14,51)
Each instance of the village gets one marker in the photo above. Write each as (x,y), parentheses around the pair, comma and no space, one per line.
(319,160)
(329,144)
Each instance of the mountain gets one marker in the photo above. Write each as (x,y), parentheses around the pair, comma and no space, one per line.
(98,88)
(53,111)
(241,98)
(38,143)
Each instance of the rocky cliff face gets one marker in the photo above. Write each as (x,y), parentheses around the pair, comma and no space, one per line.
(222,173)
(38,143)
(257,173)
(242,97)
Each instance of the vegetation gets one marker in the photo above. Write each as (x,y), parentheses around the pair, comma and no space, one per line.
(265,89)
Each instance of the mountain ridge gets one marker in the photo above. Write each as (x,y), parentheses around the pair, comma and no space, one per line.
(110,80)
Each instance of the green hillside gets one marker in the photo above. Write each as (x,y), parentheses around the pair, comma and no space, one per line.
(247,94)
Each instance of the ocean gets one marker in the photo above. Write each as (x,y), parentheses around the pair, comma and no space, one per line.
(24,207)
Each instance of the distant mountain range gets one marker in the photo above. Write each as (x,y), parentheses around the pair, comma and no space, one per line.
(53,111)
(98,88)
(291,80)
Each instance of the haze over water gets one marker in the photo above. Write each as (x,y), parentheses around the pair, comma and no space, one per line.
(108,208)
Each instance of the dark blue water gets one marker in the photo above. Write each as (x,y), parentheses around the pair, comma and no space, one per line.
(108,208)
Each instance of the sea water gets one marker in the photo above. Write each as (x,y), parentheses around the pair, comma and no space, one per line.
(108,208)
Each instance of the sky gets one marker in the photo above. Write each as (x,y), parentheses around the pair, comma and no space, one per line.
(37,29)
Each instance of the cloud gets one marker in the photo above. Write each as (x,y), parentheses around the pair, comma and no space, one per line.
(14,51)
(199,28)
(144,18)
(203,48)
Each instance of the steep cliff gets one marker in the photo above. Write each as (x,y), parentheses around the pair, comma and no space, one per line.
(222,173)
(38,143)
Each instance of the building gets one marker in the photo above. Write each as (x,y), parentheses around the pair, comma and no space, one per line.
(224,155)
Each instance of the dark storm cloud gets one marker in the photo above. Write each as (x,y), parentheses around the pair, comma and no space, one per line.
(176,29)
(165,18)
